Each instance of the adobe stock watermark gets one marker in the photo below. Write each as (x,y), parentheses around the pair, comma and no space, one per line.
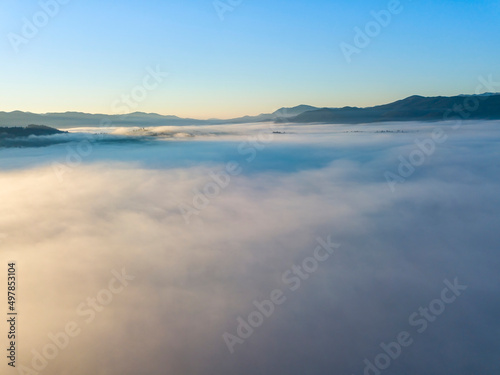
(224,6)
(419,321)
(425,148)
(363,37)
(126,103)
(87,311)
(220,181)
(139,93)
(293,279)
(31,26)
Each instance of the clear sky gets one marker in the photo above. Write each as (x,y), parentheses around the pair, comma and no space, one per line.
(262,56)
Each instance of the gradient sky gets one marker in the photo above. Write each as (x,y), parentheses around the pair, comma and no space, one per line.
(264,55)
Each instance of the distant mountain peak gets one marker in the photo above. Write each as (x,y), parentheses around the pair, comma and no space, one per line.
(412,108)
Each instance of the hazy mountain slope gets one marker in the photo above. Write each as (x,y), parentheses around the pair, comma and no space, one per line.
(413,108)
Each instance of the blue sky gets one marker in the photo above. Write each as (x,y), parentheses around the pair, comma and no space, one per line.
(262,56)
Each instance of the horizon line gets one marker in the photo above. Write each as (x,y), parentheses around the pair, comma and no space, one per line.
(242,116)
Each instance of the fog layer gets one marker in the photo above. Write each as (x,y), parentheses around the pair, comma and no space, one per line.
(76,214)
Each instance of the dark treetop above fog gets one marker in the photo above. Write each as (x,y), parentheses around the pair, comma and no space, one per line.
(37,130)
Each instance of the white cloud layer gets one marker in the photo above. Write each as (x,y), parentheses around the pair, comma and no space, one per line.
(119,209)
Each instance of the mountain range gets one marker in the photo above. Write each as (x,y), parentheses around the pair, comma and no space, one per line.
(414,108)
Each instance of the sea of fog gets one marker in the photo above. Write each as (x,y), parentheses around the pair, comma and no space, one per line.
(256,249)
